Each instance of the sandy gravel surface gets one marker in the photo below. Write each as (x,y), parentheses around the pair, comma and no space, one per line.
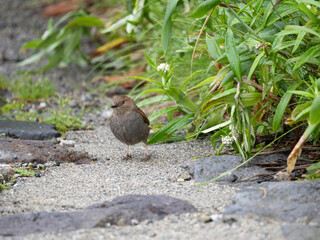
(71,187)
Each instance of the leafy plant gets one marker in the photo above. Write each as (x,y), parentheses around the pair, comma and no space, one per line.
(61,41)
(24,172)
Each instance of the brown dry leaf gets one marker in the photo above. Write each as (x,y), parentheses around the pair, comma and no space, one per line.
(106,47)
(257,108)
(295,153)
(61,8)
(129,83)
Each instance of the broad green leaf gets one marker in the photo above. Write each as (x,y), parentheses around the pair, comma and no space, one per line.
(295,29)
(86,21)
(281,11)
(221,125)
(146,79)
(310,53)
(315,111)
(34,58)
(255,64)
(232,54)
(151,63)
(213,48)
(167,25)
(312,2)
(204,7)
(31,44)
(116,25)
(170,128)
(281,108)
(301,112)
(72,42)
(162,112)
(150,100)
(181,99)
(303,93)
(298,41)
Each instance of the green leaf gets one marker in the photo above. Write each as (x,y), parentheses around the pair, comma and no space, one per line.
(149,60)
(213,48)
(86,21)
(162,112)
(116,25)
(170,128)
(181,99)
(281,108)
(255,64)
(303,93)
(310,53)
(221,125)
(204,7)
(232,54)
(295,29)
(146,79)
(150,100)
(167,25)
(72,42)
(298,41)
(315,111)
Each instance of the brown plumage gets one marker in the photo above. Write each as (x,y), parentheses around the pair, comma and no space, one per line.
(128,123)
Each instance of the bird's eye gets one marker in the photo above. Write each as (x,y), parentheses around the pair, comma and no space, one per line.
(123,102)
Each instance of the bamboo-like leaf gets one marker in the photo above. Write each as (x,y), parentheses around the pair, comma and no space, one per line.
(309,54)
(167,25)
(181,99)
(255,64)
(170,128)
(302,93)
(298,41)
(146,79)
(87,21)
(312,2)
(232,54)
(315,111)
(150,100)
(221,125)
(213,48)
(162,112)
(281,108)
(204,7)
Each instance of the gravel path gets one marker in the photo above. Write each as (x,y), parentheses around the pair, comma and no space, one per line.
(71,187)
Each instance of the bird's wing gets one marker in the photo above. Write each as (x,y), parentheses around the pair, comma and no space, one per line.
(144,117)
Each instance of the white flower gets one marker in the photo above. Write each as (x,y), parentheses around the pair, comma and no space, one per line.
(308,6)
(163,67)
(227,140)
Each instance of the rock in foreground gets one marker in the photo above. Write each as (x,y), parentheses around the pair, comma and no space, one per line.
(121,211)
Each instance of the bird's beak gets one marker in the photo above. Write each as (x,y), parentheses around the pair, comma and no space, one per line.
(114,105)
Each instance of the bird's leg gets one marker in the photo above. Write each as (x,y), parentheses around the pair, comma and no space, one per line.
(148,155)
(127,156)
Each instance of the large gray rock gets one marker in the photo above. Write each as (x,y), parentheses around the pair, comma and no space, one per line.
(29,151)
(285,201)
(205,169)
(28,130)
(124,210)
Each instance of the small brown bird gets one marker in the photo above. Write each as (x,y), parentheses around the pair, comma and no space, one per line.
(129,123)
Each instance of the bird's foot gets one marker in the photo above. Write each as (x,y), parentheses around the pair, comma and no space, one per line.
(126,157)
(146,158)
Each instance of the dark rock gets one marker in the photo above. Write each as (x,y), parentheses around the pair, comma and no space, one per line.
(205,169)
(28,130)
(121,211)
(286,201)
(29,151)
